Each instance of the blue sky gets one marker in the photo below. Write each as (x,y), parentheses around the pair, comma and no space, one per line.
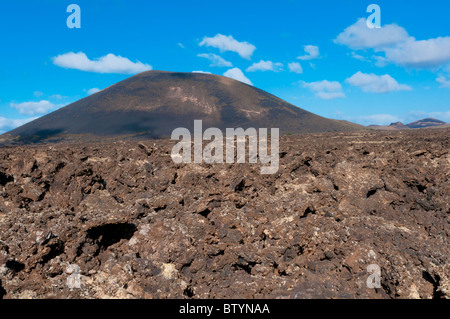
(318,55)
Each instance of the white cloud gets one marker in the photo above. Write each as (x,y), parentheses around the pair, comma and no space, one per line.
(312,52)
(443,81)
(420,54)
(93,91)
(380,61)
(109,63)
(359,36)
(228,43)
(204,72)
(443,116)
(265,66)
(397,45)
(216,60)
(40,94)
(358,57)
(180,45)
(376,83)
(378,119)
(237,74)
(58,96)
(295,67)
(326,90)
(33,108)
(9,124)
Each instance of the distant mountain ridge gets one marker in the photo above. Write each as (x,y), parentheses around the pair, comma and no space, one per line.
(154,103)
(423,123)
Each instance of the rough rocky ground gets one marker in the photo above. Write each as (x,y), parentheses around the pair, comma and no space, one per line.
(121,220)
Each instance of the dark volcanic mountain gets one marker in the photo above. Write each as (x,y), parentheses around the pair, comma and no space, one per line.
(428,122)
(424,123)
(399,125)
(154,103)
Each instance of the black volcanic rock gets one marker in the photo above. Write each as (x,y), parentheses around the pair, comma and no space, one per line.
(154,103)
(146,227)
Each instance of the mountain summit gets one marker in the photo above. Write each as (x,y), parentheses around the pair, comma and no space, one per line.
(428,122)
(424,123)
(154,103)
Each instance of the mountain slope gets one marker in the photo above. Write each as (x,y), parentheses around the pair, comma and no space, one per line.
(428,122)
(424,123)
(154,103)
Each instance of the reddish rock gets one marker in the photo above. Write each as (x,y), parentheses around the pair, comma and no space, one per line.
(122,220)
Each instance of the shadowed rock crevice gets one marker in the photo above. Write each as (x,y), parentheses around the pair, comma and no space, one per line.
(371,192)
(435,281)
(15,265)
(53,248)
(188,292)
(244,265)
(204,212)
(416,185)
(308,211)
(106,235)
(2,291)
(4,179)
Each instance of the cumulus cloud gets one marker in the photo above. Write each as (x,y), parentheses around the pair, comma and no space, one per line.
(265,66)
(312,52)
(33,108)
(397,45)
(295,67)
(216,60)
(237,74)
(420,54)
(376,83)
(325,89)
(93,91)
(204,72)
(9,124)
(359,36)
(228,43)
(109,63)
(443,81)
